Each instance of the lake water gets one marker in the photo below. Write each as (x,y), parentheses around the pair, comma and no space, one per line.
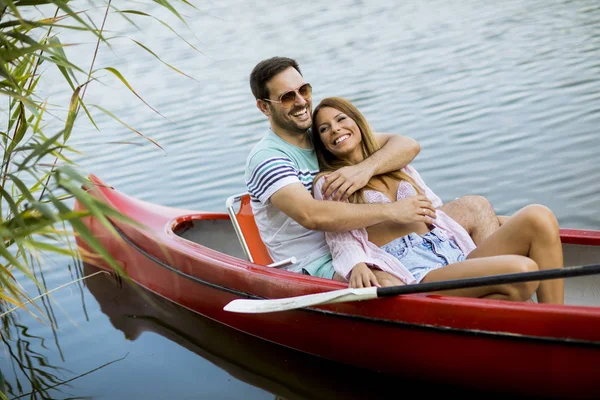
(504,98)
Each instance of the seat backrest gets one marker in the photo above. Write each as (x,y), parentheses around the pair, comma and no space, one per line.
(251,236)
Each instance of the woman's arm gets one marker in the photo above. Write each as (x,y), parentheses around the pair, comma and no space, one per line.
(345,246)
(352,253)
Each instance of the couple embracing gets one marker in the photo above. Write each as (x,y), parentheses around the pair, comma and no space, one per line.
(347,204)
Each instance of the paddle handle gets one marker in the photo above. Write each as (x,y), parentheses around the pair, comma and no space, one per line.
(490,280)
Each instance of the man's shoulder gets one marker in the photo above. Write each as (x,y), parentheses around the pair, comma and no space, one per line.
(266,152)
(266,148)
(267,144)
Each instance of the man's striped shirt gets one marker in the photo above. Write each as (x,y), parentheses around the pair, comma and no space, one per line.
(271,165)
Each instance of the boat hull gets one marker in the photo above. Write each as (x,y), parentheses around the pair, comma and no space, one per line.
(517,348)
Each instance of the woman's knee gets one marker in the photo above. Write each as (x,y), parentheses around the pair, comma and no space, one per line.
(515,264)
(522,291)
(541,219)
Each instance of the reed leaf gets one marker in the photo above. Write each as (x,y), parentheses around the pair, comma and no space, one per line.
(16,96)
(125,17)
(14,262)
(60,59)
(86,235)
(110,114)
(13,208)
(24,190)
(19,36)
(8,55)
(136,12)
(33,2)
(98,209)
(39,115)
(40,151)
(11,5)
(71,14)
(37,245)
(20,129)
(8,299)
(115,72)
(189,4)
(72,113)
(14,117)
(10,80)
(159,59)
(169,7)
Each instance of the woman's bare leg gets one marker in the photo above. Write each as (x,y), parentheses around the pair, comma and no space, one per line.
(386,279)
(488,266)
(532,232)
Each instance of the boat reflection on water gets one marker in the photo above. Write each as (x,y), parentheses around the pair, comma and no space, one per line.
(284,372)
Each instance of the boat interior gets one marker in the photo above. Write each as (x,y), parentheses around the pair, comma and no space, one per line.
(235,234)
(217,234)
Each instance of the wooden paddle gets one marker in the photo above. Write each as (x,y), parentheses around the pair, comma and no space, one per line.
(345,295)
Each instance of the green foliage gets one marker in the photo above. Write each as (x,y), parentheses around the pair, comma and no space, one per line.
(38,181)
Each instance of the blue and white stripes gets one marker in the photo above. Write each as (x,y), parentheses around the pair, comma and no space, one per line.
(274,173)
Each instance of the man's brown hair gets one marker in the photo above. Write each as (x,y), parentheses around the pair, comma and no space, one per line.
(265,70)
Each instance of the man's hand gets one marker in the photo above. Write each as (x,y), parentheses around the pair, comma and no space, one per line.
(340,184)
(362,276)
(413,209)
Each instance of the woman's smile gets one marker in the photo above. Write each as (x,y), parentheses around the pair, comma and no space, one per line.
(340,139)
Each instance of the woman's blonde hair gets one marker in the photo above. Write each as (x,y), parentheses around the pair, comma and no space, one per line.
(329,162)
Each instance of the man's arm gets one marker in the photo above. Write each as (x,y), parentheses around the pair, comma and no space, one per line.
(395,153)
(334,216)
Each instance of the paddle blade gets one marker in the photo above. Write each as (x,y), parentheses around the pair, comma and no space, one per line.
(253,306)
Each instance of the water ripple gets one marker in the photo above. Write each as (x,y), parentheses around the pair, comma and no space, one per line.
(504,98)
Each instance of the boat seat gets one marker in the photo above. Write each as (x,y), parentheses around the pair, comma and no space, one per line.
(245,227)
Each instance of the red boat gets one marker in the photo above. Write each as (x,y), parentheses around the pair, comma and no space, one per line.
(286,373)
(201,261)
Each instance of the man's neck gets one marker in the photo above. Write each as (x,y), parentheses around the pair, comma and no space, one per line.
(298,139)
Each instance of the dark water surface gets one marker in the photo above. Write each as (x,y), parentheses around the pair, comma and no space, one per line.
(504,98)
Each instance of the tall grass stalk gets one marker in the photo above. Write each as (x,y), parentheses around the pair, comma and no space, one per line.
(38,180)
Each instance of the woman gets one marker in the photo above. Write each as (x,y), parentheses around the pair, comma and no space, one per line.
(389,253)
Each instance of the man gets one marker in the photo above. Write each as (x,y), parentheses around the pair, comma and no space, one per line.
(281,167)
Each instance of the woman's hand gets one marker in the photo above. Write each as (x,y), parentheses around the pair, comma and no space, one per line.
(362,276)
(412,209)
(340,184)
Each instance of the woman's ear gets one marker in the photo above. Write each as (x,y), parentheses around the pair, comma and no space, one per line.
(263,107)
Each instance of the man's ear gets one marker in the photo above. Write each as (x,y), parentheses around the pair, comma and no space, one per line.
(263,107)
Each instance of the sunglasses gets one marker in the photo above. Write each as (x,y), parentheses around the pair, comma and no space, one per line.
(288,99)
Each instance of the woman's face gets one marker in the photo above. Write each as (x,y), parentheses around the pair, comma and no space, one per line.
(339,133)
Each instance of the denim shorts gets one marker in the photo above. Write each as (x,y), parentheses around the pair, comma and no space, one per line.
(421,254)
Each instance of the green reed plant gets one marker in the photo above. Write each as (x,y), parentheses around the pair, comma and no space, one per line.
(38,180)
